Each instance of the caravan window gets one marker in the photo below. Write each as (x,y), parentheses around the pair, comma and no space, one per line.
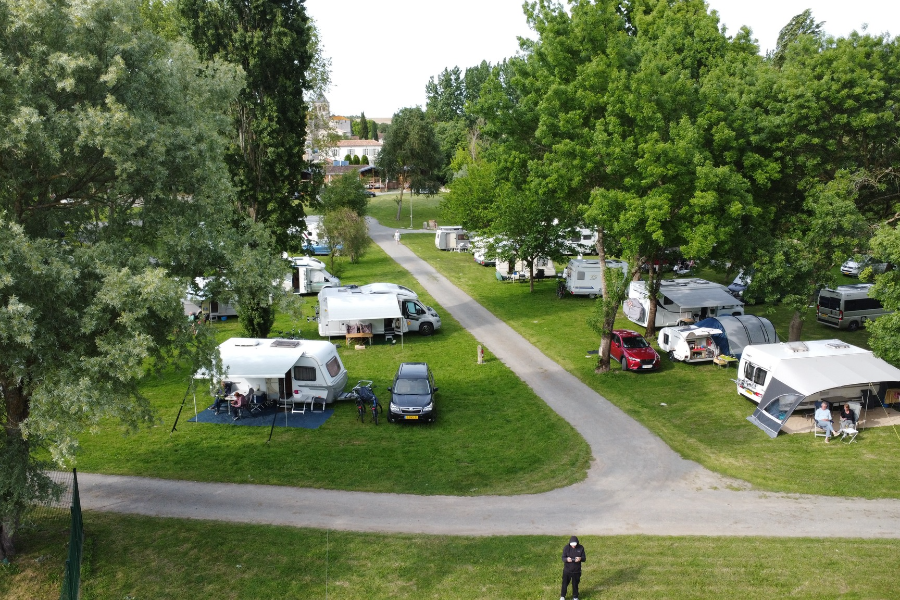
(666,301)
(829,302)
(333,366)
(755,374)
(666,339)
(862,304)
(304,373)
(580,276)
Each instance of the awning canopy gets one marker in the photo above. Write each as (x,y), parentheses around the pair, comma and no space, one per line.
(770,415)
(740,331)
(692,297)
(359,307)
(821,373)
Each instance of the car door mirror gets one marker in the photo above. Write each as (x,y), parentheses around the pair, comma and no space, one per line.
(435,390)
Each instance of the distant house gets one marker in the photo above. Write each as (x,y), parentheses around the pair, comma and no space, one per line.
(369,148)
(341,125)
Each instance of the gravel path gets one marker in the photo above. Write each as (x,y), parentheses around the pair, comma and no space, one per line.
(636,484)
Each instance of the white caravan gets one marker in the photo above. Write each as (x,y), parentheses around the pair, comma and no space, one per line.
(689,343)
(284,369)
(346,307)
(452,237)
(518,270)
(309,276)
(818,370)
(581,276)
(681,302)
(581,241)
(848,306)
(196,300)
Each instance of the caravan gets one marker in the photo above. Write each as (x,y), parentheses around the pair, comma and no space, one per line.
(724,335)
(309,276)
(681,302)
(376,308)
(689,343)
(582,277)
(452,237)
(286,370)
(195,301)
(517,270)
(580,241)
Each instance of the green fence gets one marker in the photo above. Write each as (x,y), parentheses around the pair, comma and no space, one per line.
(72,579)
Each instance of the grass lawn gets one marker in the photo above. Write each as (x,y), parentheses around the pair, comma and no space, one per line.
(481,444)
(384,208)
(141,557)
(704,418)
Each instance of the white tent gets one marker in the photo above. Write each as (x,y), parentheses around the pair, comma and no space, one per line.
(375,306)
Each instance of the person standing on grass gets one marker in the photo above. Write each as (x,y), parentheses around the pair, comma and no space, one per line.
(572,556)
(397,237)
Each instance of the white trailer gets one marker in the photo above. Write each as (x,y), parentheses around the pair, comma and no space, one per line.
(452,237)
(374,311)
(518,271)
(309,276)
(195,300)
(818,370)
(581,277)
(689,343)
(286,370)
(581,241)
(681,302)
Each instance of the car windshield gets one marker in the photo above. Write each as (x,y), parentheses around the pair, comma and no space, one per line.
(411,386)
(634,342)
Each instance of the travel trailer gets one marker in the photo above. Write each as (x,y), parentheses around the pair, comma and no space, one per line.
(689,343)
(581,241)
(818,370)
(681,302)
(195,300)
(581,277)
(309,276)
(377,312)
(283,369)
(848,306)
(518,270)
(452,237)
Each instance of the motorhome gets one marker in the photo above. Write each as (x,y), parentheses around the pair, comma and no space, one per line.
(452,237)
(309,276)
(285,370)
(195,300)
(482,253)
(580,241)
(378,312)
(818,370)
(517,270)
(848,306)
(680,302)
(689,343)
(581,277)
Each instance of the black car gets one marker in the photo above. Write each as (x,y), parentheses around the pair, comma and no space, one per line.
(370,194)
(412,394)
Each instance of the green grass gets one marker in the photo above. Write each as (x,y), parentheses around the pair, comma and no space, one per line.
(704,418)
(142,557)
(482,442)
(384,208)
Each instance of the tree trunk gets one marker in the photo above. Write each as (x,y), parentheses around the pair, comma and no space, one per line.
(531,277)
(795,328)
(608,324)
(652,294)
(400,201)
(15,461)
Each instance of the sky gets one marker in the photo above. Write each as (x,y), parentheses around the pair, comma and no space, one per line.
(383,51)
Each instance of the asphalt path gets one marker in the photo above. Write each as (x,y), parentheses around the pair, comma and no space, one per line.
(635,485)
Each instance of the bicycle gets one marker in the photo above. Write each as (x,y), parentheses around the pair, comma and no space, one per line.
(360,401)
(289,334)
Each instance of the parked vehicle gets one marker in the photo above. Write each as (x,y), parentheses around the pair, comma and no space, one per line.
(518,270)
(309,276)
(452,237)
(196,299)
(681,302)
(581,241)
(381,312)
(581,277)
(481,248)
(632,351)
(370,194)
(853,266)
(285,370)
(317,247)
(848,306)
(739,285)
(689,343)
(412,394)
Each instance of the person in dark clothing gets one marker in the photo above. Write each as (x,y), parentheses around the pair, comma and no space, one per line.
(572,556)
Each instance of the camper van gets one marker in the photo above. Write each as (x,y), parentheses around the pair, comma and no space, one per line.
(518,271)
(285,370)
(195,301)
(309,276)
(818,370)
(581,277)
(377,312)
(848,306)
(681,302)
(689,343)
(452,237)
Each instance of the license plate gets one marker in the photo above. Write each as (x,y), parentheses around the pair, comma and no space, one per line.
(647,367)
(413,417)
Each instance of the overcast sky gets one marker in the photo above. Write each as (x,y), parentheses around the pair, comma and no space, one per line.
(383,51)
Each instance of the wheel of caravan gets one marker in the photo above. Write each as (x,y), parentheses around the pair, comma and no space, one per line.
(426,328)
(560,290)
(852,325)
(592,296)
(672,356)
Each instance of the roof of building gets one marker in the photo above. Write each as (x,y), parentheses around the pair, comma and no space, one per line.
(354,143)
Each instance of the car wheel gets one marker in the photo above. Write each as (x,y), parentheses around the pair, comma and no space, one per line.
(852,325)
(623,363)
(426,329)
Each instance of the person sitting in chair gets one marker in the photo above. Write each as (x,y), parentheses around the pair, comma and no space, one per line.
(239,402)
(219,397)
(848,419)
(825,421)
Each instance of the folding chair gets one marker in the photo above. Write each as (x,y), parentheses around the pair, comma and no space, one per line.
(856,407)
(257,402)
(817,429)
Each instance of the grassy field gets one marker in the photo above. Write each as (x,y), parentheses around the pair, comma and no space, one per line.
(141,557)
(703,419)
(479,445)
(384,209)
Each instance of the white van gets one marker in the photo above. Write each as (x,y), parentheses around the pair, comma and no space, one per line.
(582,276)
(848,306)
(309,276)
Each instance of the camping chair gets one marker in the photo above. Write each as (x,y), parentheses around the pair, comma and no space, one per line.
(817,429)
(856,407)
(257,402)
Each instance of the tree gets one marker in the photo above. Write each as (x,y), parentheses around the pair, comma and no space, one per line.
(885,331)
(113,177)
(411,154)
(348,157)
(800,25)
(354,160)
(373,127)
(445,97)
(364,160)
(363,127)
(345,228)
(346,191)
(264,37)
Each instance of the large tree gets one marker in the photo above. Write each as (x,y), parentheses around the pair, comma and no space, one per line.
(411,154)
(112,144)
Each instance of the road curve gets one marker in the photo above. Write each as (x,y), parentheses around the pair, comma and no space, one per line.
(636,484)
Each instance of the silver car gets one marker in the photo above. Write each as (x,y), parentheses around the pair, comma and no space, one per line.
(854,265)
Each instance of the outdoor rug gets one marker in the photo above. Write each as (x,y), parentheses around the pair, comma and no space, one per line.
(263,418)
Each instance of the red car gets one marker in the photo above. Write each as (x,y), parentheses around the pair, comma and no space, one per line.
(632,351)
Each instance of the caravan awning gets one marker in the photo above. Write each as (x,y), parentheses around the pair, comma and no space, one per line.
(257,365)
(821,373)
(376,306)
(698,298)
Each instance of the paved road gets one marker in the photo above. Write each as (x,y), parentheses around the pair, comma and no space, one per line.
(636,484)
